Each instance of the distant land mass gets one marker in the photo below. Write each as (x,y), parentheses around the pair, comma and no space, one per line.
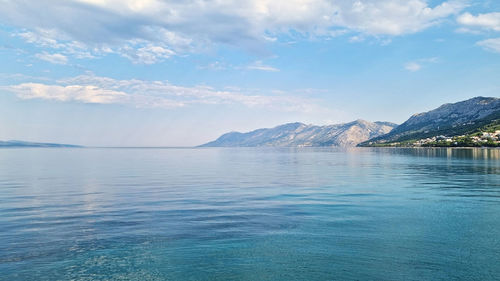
(17,143)
(302,135)
(472,116)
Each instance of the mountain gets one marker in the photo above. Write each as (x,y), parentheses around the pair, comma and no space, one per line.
(16,143)
(450,119)
(298,134)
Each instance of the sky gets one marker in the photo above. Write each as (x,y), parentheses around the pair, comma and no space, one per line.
(181,73)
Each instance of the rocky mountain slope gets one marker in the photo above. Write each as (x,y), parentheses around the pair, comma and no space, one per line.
(450,119)
(298,134)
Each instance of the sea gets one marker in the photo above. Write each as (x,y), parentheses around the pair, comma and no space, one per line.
(249,214)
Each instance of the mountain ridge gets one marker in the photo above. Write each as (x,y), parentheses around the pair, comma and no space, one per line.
(450,119)
(299,134)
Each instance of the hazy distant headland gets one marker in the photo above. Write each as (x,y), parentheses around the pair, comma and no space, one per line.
(474,122)
(17,143)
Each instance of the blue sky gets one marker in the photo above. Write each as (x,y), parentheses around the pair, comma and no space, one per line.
(180,73)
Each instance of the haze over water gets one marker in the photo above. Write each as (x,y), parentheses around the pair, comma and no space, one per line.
(249,214)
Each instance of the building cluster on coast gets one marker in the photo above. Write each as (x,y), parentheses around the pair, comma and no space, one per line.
(478,139)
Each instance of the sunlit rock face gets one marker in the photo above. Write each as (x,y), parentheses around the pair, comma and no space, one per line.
(299,135)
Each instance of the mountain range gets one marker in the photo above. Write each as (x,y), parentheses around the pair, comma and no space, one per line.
(299,135)
(449,119)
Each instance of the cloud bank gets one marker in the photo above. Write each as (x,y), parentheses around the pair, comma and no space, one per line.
(151,94)
(149,31)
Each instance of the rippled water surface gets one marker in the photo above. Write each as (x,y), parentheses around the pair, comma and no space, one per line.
(249,214)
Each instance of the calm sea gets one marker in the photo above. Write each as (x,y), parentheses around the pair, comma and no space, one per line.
(249,214)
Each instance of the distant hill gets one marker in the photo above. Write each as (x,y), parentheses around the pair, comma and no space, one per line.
(16,143)
(450,119)
(299,134)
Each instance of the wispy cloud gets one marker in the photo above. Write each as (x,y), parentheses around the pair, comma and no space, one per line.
(52,58)
(140,93)
(357,39)
(151,31)
(259,65)
(256,65)
(86,94)
(417,65)
(492,45)
(394,17)
(477,24)
(413,66)
(146,55)
(217,65)
(52,39)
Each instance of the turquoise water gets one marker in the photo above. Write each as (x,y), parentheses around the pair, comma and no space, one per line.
(249,214)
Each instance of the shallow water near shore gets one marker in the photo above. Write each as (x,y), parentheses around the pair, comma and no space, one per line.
(249,214)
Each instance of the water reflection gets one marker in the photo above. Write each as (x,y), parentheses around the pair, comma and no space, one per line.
(461,153)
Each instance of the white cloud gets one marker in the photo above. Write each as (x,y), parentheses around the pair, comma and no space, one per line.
(489,21)
(140,93)
(52,58)
(148,31)
(492,44)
